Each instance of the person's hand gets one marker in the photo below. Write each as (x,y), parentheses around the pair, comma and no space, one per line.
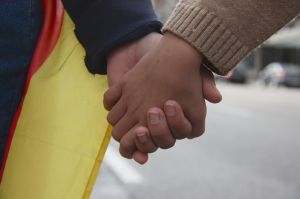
(172,126)
(209,89)
(124,58)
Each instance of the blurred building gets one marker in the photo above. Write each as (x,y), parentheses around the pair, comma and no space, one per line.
(284,46)
(164,8)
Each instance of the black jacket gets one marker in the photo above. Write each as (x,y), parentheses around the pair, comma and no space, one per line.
(102,25)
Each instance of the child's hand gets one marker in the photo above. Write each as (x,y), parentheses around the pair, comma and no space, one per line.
(171,71)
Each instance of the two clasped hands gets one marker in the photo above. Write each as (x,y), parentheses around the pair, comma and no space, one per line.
(157,94)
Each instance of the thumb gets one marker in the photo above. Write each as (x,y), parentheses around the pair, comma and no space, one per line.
(209,89)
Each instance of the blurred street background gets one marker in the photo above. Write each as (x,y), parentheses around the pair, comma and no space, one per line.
(251,148)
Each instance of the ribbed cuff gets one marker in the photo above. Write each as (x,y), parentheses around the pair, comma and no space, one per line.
(209,35)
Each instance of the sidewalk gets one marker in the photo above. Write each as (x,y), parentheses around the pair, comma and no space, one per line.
(108,186)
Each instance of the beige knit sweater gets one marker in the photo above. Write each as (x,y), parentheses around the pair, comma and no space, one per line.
(225,31)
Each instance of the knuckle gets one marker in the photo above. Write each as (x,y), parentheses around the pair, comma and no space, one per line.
(110,119)
(116,136)
(106,103)
(197,133)
(106,96)
(198,127)
(152,150)
(180,130)
(179,135)
(201,132)
(168,144)
(126,149)
(124,153)
(125,144)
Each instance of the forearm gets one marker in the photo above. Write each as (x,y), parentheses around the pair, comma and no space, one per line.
(103,25)
(225,31)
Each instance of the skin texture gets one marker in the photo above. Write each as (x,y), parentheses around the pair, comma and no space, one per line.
(139,127)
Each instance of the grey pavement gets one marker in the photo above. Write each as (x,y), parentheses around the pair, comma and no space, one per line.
(109,186)
(250,151)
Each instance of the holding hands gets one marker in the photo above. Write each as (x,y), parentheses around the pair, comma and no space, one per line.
(157,94)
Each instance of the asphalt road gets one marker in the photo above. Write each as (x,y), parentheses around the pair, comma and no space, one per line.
(251,150)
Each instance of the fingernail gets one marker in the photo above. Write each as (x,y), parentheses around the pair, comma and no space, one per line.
(142,137)
(154,118)
(170,110)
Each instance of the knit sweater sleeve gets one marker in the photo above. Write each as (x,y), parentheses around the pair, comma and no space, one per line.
(226,31)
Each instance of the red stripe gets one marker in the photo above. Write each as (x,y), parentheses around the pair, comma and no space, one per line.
(53,19)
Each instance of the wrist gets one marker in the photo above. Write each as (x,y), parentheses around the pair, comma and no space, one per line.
(180,53)
(182,48)
(138,47)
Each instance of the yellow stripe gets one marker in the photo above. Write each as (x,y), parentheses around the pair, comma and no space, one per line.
(62,132)
(94,174)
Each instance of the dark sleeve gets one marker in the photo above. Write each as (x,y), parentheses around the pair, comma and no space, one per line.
(102,25)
